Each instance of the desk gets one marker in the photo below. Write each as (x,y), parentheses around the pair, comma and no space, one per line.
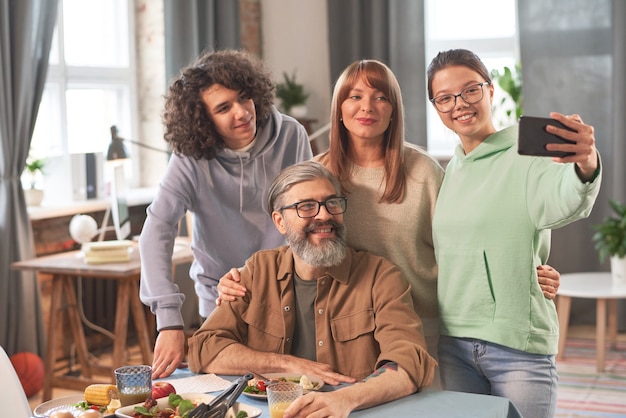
(599,286)
(65,268)
(429,403)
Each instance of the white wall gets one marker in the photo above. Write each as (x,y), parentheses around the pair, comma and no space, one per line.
(151,87)
(295,37)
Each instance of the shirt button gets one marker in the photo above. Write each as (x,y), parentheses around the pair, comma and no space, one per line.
(287,308)
(320,311)
(288,339)
(320,343)
(323,282)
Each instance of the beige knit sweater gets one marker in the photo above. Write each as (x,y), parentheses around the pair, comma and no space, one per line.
(400,232)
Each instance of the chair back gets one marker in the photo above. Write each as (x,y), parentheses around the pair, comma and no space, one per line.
(12,394)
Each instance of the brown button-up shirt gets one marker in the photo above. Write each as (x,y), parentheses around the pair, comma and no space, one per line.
(364,317)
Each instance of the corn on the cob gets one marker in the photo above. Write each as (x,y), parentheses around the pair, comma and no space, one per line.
(100,394)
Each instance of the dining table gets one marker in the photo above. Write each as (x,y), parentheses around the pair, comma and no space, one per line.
(425,404)
(68,270)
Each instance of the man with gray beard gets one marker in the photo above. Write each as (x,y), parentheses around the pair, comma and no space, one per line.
(319,308)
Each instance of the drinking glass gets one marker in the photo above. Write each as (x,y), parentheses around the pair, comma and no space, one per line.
(134,384)
(280,395)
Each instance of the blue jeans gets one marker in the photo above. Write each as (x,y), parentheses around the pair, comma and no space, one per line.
(476,366)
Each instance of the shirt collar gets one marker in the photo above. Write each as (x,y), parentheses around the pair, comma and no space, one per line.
(340,272)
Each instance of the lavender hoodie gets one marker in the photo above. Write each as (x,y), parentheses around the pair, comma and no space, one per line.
(227,198)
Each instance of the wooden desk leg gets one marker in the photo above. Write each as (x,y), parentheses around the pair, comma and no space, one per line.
(600,334)
(612,325)
(140,323)
(121,322)
(63,285)
(128,297)
(563,310)
(50,356)
(76,327)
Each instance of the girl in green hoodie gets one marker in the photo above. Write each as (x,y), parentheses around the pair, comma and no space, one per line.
(491,228)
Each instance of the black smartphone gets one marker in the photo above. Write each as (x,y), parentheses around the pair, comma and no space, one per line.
(533,137)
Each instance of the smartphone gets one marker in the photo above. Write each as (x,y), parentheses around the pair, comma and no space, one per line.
(533,137)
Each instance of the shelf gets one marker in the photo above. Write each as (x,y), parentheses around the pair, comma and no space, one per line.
(137,197)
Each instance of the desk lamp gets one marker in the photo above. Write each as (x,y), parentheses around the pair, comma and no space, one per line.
(117,149)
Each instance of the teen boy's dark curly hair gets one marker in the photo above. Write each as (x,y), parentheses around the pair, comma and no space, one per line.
(188,127)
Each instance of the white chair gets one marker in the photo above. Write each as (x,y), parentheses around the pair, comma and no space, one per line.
(12,395)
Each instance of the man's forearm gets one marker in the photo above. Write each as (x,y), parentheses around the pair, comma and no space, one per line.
(239,359)
(389,382)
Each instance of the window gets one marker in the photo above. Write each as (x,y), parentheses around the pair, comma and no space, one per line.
(91,79)
(487,27)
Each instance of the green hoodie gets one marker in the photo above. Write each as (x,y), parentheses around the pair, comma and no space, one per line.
(491,229)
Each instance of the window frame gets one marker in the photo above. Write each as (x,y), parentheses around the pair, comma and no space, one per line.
(440,140)
(62,77)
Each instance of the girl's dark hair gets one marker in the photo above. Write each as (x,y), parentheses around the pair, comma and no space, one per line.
(188,127)
(455,57)
(379,76)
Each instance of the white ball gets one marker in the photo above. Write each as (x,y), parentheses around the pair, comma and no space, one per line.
(83,228)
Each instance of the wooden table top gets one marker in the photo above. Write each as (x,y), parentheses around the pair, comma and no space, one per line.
(72,263)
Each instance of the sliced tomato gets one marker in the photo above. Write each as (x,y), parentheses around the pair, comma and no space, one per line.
(260,385)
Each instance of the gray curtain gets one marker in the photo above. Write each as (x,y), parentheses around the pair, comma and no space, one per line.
(192,26)
(391,31)
(573,61)
(26,28)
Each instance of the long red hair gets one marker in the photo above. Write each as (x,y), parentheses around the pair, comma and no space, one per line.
(376,75)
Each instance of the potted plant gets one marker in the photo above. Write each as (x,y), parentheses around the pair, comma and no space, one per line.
(510,81)
(610,240)
(34,168)
(292,96)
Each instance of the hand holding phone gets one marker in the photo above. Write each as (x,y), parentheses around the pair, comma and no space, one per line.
(533,137)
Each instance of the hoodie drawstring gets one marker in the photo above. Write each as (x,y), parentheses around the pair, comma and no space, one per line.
(241,175)
(263,200)
(241,185)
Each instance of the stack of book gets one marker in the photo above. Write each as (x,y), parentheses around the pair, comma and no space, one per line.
(100,252)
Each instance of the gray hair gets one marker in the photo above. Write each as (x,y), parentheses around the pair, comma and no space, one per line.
(297,173)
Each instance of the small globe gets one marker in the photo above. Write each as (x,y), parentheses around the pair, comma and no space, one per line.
(83,228)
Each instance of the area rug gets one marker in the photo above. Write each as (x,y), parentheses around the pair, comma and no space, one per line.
(583,392)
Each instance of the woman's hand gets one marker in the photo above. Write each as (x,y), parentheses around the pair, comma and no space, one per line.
(586,155)
(229,288)
(549,280)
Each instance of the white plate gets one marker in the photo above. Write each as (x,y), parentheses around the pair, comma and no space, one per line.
(127,411)
(287,376)
(61,404)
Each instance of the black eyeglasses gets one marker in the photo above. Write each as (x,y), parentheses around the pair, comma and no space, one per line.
(470,94)
(310,208)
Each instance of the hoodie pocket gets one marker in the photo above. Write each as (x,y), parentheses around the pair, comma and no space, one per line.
(464,285)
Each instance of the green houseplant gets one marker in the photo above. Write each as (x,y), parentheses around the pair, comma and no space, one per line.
(508,109)
(510,80)
(610,240)
(291,94)
(34,168)
(610,236)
